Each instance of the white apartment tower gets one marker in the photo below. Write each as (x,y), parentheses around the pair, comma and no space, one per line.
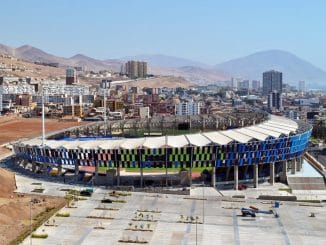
(187,108)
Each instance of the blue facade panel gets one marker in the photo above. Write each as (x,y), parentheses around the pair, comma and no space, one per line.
(268,151)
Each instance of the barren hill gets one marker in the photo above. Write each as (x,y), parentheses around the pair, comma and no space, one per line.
(18,67)
(32,54)
(93,64)
(162,81)
(192,74)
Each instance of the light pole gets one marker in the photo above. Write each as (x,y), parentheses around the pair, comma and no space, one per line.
(106,84)
(72,102)
(203,204)
(30,221)
(105,118)
(43,119)
(196,230)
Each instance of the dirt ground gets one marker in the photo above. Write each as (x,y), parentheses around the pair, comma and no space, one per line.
(14,128)
(15,208)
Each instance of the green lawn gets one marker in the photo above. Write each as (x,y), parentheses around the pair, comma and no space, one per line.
(166,131)
(159,170)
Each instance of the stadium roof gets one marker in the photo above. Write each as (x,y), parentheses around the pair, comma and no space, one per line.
(281,125)
(132,143)
(198,139)
(253,134)
(69,144)
(265,131)
(237,136)
(275,127)
(283,120)
(154,142)
(110,144)
(218,138)
(177,141)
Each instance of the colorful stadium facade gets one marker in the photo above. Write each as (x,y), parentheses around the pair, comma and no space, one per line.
(274,141)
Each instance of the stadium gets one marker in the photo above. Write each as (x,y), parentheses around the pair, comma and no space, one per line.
(169,151)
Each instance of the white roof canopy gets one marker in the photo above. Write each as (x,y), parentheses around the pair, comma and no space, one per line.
(282,125)
(290,130)
(253,134)
(283,120)
(111,144)
(132,143)
(177,141)
(265,131)
(55,143)
(274,127)
(237,136)
(218,138)
(89,144)
(154,142)
(271,128)
(33,142)
(198,139)
(70,144)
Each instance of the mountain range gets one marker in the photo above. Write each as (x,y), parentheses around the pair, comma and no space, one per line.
(248,67)
(294,68)
(160,60)
(30,53)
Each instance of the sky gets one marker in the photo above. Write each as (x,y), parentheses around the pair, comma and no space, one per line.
(209,31)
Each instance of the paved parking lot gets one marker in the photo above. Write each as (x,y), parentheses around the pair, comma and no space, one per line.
(219,220)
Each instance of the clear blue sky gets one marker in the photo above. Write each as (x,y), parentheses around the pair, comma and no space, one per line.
(210,31)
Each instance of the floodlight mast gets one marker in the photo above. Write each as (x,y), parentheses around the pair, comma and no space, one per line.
(43,119)
(106,85)
(105,118)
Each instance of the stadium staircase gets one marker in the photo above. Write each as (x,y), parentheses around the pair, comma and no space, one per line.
(307,183)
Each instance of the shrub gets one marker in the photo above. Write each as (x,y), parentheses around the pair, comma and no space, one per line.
(62,215)
(40,236)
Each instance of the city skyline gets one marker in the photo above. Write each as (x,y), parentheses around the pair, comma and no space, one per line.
(210,33)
